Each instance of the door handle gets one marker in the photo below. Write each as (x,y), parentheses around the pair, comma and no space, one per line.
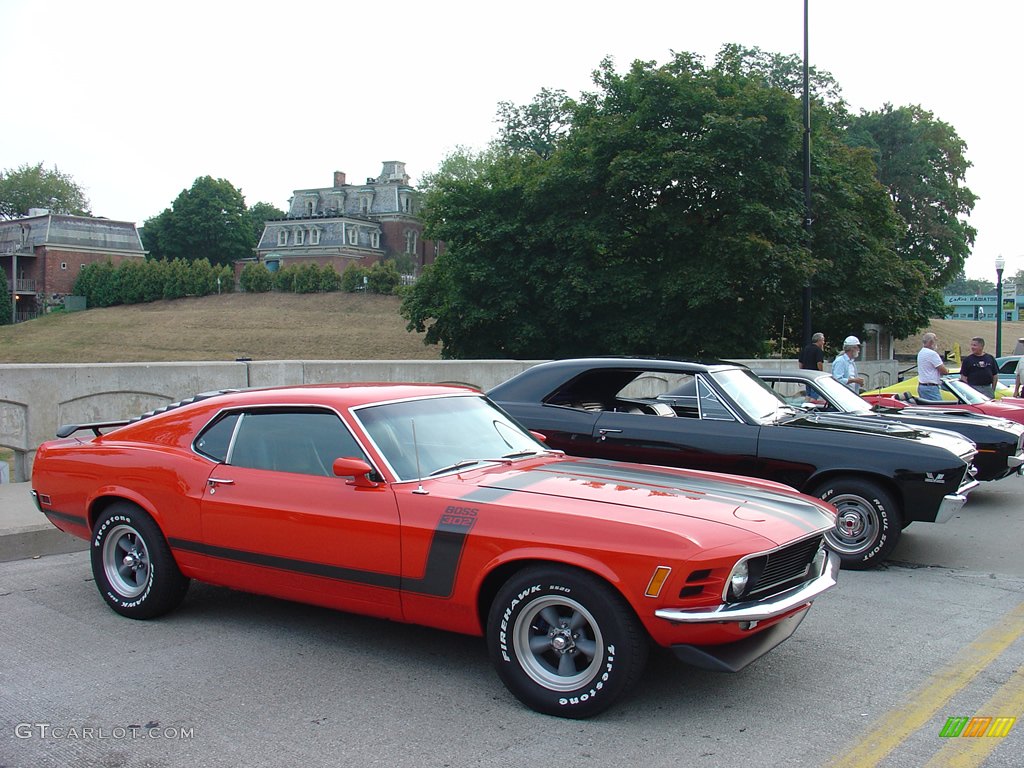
(213,482)
(605,432)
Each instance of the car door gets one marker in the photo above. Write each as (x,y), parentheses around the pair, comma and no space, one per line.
(277,520)
(702,434)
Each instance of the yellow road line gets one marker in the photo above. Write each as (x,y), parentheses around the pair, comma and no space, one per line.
(971,751)
(894,727)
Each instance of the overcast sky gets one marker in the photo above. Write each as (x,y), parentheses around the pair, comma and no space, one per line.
(135,100)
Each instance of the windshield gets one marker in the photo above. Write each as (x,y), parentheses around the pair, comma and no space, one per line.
(966,393)
(754,396)
(845,399)
(435,435)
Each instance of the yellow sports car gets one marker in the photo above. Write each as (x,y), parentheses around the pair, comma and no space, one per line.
(910,385)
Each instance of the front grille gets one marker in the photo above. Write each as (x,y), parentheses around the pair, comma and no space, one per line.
(783,568)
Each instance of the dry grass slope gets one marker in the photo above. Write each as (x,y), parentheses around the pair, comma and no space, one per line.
(275,326)
(266,326)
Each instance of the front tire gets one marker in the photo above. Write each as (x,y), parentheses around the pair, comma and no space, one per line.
(564,642)
(132,564)
(869,522)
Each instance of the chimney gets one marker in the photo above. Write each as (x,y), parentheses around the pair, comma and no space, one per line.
(339,179)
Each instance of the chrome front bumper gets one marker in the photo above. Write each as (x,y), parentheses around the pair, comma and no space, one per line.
(760,610)
(954,502)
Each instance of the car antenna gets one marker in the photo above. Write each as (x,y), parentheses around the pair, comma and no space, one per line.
(416,451)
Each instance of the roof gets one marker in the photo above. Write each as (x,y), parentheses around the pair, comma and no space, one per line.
(73,232)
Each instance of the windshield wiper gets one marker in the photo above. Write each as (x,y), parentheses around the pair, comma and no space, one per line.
(456,465)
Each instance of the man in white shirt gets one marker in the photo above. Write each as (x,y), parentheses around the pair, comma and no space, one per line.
(930,369)
(1018,385)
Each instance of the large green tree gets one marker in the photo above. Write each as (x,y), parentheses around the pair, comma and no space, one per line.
(33,186)
(208,221)
(667,219)
(921,161)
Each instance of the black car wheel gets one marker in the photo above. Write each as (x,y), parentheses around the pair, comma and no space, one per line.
(564,642)
(132,564)
(869,523)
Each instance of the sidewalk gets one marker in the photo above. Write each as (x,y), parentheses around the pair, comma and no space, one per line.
(24,530)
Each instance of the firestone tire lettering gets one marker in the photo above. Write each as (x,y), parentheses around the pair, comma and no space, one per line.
(564,642)
(132,564)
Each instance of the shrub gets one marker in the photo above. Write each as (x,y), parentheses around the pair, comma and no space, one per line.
(256,278)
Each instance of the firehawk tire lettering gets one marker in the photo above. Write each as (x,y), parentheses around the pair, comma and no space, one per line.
(564,642)
(132,564)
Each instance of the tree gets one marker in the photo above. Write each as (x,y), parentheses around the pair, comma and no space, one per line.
(208,221)
(256,278)
(5,300)
(921,162)
(667,220)
(32,186)
(259,215)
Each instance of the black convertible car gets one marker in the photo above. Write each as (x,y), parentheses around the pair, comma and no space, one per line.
(721,417)
(1000,442)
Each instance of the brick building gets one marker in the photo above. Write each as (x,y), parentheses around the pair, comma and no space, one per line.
(349,224)
(42,254)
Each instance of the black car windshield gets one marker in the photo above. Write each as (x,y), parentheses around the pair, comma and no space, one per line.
(755,397)
(435,435)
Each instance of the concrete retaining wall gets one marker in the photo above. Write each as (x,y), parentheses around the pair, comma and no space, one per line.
(36,399)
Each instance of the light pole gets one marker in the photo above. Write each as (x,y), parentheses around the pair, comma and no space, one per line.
(1000,263)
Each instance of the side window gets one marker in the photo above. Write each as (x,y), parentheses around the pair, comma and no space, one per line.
(711,407)
(214,441)
(301,441)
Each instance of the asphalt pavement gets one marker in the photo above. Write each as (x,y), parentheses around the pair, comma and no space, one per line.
(24,530)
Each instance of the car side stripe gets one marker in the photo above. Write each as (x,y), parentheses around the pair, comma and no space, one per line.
(438,580)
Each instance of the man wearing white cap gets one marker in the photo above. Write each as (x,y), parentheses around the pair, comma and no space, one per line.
(844,367)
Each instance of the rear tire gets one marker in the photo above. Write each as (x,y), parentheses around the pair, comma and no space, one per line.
(564,642)
(869,523)
(132,564)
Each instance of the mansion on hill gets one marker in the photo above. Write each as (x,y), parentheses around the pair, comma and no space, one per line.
(349,224)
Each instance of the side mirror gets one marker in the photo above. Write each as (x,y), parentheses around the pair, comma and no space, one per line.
(357,469)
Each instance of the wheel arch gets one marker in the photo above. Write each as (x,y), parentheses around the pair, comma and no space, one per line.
(831,475)
(501,572)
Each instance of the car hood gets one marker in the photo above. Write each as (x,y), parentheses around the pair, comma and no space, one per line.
(767,509)
(853,422)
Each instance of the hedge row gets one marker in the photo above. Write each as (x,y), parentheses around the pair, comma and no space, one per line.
(310,278)
(135,282)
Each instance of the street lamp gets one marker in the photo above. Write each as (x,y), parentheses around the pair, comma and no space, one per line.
(1000,263)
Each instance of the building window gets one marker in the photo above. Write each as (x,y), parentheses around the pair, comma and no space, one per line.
(410,241)
(64,265)
(375,239)
(300,236)
(309,207)
(353,236)
(314,237)
(282,237)
(365,203)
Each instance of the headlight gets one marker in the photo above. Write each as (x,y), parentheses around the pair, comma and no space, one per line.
(739,578)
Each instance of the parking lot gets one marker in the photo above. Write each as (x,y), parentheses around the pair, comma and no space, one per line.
(870,678)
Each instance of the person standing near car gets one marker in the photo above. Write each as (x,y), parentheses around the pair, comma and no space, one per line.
(1018,384)
(812,358)
(844,367)
(979,370)
(930,369)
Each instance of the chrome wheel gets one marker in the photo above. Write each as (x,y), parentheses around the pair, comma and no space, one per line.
(857,526)
(126,561)
(558,643)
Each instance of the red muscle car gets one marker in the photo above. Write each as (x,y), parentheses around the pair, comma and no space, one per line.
(427,504)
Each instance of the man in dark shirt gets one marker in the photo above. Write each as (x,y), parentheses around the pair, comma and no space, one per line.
(812,357)
(979,368)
